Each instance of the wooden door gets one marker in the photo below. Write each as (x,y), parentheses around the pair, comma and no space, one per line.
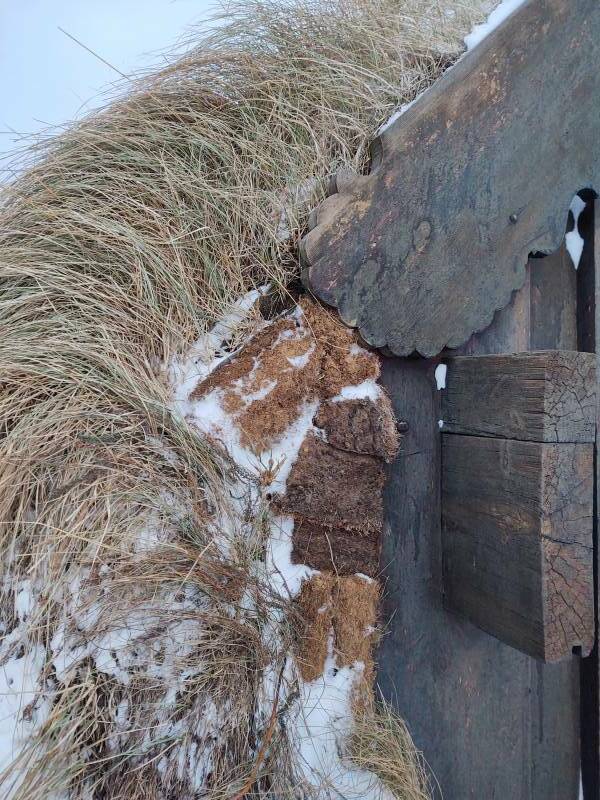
(492,722)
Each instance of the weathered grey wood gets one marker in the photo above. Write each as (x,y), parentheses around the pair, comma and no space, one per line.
(588,325)
(478,173)
(517,541)
(552,289)
(555,717)
(491,721)
(548,396)
(465,696)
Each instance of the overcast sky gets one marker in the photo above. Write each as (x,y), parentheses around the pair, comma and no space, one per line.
(48,79)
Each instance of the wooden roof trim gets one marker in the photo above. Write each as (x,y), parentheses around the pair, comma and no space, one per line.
(474,176)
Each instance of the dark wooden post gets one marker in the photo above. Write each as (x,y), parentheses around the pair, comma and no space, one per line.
(492,721)
(517,497)
(588,335)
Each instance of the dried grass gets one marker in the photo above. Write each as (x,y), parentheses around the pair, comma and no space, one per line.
(121,241)
(381,743)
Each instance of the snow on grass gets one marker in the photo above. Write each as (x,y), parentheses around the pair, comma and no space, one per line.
(23,704)
(477,35)
(208,352)
(21,707)
(496,18)
(319,714)
(320,729)
(131,643)
(573,240)
(152,637)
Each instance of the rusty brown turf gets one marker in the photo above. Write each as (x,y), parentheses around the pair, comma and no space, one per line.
(360,426)
(344,459)
(322,475)
(347,609)
(315,607)
(331,364)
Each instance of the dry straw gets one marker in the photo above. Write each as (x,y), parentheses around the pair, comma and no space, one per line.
(121,241)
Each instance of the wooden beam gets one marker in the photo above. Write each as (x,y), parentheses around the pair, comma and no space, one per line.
(491,721)
(588,334)
(517,541)
(549,396)
(475,175)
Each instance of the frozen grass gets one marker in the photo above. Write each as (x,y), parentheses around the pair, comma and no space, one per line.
(381,743)
(121,242)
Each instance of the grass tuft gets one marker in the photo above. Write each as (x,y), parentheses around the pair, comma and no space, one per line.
(122,240)
(381,743)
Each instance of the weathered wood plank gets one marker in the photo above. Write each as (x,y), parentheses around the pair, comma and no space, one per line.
(517,541)
(464,695)
(421,252)
(549,396)
(552,289)
(554,700)
(588,332)
(492,722)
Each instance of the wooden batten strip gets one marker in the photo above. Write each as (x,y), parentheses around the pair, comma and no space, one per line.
(547,396)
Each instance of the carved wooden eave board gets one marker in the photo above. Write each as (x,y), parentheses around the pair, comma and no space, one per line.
(475,175)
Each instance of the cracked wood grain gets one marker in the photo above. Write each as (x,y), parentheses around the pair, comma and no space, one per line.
(548,396)
(517,540)
(518,717)
(478,173)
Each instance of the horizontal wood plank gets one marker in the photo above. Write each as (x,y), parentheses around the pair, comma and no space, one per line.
(547,396)
(480,170)
(517,541)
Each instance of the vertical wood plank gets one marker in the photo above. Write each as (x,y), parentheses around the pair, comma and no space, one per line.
(588,334)
(553,292)
(493,723)
(554,700)
(464,695)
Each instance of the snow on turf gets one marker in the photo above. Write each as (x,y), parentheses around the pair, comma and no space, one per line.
(319,715)
(367,390)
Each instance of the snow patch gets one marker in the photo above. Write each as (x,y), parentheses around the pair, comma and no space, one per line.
(320,730)
(207,352)
(286,578)
(22,708)
(299,362)
(441,371)
(573,240)
(496,18)
(367,390)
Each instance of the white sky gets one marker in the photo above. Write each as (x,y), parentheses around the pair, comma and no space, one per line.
(48,79)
